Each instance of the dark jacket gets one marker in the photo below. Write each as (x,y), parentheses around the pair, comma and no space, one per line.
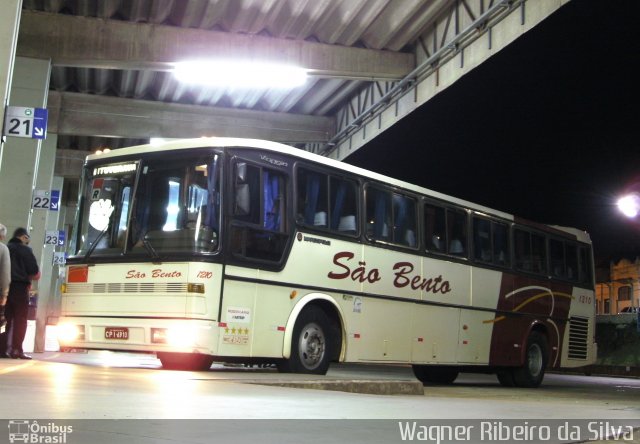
(24,266)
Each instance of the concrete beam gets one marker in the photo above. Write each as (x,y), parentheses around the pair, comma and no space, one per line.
(90,115)
(96,43)
(69,163)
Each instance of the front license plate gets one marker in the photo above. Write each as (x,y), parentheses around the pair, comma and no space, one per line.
(116,333)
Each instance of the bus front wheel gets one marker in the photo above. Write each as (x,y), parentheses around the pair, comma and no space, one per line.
(535,362)
(310,344)
(435,374)
(185,361)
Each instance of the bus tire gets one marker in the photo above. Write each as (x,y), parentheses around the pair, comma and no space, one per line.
(435,374)
(185,361)
(535,362)
(310,344)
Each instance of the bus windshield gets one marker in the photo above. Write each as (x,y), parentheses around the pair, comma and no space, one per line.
(159,206)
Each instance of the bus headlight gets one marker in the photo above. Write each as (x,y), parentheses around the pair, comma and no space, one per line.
(178,336)
(70,333)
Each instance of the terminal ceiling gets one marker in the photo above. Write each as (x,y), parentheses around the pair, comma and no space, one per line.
(111,84)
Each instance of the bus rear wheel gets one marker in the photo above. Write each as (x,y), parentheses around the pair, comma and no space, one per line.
(435,374)
(310,344)
(185,361)
(531,373)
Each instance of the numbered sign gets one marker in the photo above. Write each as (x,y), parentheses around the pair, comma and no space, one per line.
(46,200)
(59,258)
(54,238)
(41,200)
(21,121)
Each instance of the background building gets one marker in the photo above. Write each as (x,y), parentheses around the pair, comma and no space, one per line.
(618,286)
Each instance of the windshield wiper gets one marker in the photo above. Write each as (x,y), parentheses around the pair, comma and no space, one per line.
(152,251)
(95,243)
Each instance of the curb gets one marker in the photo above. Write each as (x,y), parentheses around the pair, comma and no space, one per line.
(370,387)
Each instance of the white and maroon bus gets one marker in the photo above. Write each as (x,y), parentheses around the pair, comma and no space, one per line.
(237,250)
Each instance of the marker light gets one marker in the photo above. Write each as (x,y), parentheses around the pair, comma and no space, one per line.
(235,74)
(629,205)
(195,288)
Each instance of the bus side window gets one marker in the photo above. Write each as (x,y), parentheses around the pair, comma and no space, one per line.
(247,194)
(325,201)
(343,205)
(531,252)
(404,220)
(378,214)
(457,232)
(501,244)
(312,198)
(557,258)
(523,250)
(259,223)
(273,203)
(539,253)
(434,232)
(584,265)
(482,240)
(571,254)
(391,217)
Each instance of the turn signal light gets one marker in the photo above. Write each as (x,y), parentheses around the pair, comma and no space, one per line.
(195,288)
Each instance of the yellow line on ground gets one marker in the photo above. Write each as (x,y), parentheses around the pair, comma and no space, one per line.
(14,368)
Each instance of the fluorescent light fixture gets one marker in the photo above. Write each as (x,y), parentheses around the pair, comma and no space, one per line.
(235,74)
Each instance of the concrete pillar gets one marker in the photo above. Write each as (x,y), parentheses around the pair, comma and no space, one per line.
(20,161)
(9,24)
(27,165)
(41,222)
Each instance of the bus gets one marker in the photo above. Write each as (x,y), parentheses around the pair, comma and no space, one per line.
(248,251)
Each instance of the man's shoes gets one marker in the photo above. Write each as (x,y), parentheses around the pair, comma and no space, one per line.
(5,355)
(20,356)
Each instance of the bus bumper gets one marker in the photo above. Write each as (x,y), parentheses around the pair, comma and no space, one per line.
(141,335)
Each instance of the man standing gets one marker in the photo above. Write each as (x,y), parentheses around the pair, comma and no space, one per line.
(24,269)
(5,279)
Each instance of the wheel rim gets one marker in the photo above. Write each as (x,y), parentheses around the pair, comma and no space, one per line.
(534,360)
(312,346)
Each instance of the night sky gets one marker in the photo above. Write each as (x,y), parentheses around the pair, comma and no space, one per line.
(546,129)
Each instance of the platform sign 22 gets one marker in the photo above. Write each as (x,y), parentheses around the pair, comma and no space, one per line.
(46,200)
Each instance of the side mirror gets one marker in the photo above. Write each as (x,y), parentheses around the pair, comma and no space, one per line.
(241,172)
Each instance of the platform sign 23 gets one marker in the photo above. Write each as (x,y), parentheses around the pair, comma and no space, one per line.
(53,237)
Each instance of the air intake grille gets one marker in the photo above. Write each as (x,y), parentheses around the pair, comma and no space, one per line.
(578,338)
(129,287)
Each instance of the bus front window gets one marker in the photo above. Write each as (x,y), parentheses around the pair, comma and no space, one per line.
(105,209)
(177,206)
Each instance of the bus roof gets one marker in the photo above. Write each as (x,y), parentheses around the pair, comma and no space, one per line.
(205,142)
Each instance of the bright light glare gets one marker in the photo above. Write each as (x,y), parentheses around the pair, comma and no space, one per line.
(181,336)
(629,205)
(67,333)
(234,74)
